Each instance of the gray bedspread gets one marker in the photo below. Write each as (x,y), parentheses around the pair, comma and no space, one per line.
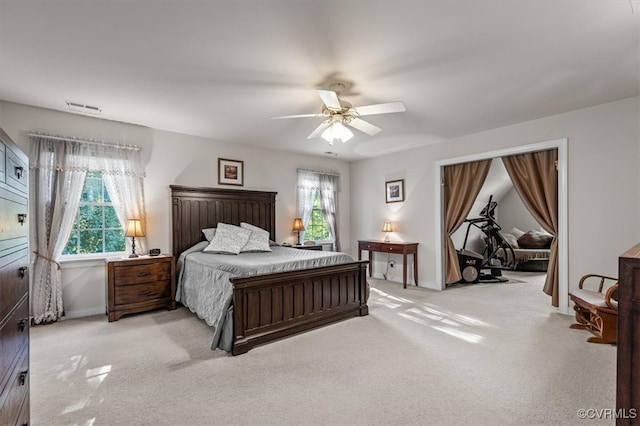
(204,280)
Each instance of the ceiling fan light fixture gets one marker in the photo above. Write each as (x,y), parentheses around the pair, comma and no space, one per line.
(337,131)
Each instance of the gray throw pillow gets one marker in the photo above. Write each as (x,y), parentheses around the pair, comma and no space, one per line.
(229,239)
(258,241)
(209,233)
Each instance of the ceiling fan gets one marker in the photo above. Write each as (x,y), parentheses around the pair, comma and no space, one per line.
(339,114)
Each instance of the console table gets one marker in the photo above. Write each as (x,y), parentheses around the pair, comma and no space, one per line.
(391,247)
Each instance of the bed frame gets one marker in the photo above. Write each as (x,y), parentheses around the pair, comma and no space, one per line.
(268,306)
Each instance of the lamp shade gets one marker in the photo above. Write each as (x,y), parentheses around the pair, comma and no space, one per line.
(387,227)
(134,228)
(337,130)
(297,224)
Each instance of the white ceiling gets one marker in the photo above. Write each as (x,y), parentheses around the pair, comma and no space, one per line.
(221,68)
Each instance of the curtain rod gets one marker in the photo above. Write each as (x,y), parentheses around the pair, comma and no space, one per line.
(320,171)
(92,142)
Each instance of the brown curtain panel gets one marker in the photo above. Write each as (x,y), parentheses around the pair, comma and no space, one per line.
(462,183)
(535,178)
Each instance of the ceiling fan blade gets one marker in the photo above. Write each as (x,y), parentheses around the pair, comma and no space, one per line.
(380,108)
(364,126)
(321,128)
(330,99)
(298,116)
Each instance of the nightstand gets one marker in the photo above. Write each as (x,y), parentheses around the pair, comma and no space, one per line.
(140,284)
(303,247)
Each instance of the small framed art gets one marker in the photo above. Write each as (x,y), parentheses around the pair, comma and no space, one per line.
(394,191)
(230,172)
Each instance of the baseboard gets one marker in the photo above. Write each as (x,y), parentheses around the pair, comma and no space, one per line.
(83,313)
(430,285)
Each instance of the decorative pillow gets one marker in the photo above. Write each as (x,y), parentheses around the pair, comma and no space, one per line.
(209,233)
(516,232)
(511,239)
(229,239)
(535,240)
(258,240)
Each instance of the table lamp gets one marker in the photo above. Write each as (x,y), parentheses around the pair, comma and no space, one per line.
(134,229)
(298,226)
(386,228)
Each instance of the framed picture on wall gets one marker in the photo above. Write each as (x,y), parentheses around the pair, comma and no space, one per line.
(230,172)
(394,191)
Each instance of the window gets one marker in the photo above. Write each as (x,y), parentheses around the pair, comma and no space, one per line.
(317,201)
(96,228)
(317,229)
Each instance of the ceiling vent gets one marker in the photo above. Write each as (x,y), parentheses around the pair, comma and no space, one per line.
(84,108)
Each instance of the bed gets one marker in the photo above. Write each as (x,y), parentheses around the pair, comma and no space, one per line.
(531,250)
(262,306)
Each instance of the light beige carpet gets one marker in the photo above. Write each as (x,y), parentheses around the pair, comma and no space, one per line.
(476,354)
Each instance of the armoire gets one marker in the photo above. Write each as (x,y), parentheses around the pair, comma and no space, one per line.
(14,283)
(628,369)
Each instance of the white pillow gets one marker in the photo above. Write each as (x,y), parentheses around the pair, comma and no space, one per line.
(511,239)
(209,233)
(229,239)
(517,232)
(258,241)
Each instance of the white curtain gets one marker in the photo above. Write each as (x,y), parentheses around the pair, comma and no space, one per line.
(328,185)
(125,184)
(57,172)
(307,187)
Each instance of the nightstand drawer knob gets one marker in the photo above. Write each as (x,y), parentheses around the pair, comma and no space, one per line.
(22,271)
(144,274)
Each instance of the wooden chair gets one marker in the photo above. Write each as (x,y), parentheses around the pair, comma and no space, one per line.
(597,311)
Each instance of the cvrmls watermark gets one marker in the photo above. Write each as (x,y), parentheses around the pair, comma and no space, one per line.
(606,413)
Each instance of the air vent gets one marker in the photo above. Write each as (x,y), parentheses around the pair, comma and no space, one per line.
(334,154)
(84,108)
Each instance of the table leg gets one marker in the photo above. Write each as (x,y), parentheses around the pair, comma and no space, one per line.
(404,270)
(370,263)
(415,268)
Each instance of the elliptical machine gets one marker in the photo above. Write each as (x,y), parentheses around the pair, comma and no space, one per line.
(472,263)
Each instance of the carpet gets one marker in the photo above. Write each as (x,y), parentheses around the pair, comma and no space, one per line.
(482,355)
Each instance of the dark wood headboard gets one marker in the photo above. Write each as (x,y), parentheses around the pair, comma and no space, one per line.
(194,209)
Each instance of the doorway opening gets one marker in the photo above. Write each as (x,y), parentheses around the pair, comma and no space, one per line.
(561,146)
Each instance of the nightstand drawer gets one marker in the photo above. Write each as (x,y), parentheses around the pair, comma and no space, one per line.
(137,274)
(136,293)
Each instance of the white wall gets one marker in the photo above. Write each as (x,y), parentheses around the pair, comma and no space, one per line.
(603,185)
(172,158)
(513,213)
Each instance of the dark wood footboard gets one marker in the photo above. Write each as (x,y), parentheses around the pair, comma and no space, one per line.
(271,306)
